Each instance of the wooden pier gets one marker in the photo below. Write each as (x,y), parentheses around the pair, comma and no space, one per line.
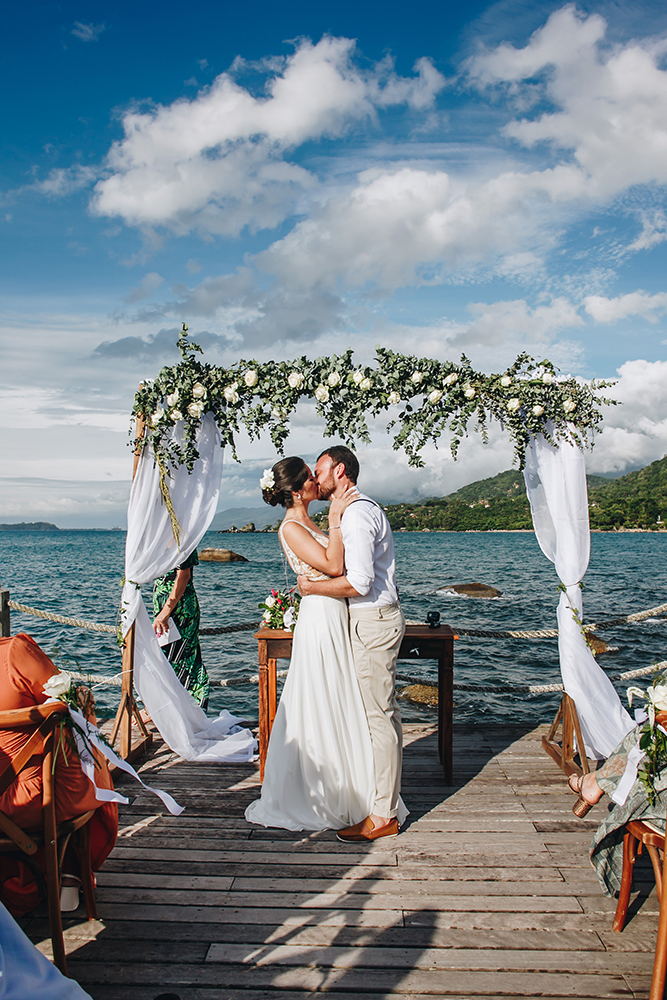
(487,893)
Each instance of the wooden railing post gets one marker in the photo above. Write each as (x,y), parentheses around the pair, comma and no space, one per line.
(5,622)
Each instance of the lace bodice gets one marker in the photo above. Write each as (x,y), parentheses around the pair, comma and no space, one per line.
(300,567)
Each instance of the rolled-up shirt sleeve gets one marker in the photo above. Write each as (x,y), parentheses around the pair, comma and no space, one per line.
(359,526)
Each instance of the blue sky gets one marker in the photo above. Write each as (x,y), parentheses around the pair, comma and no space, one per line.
(439,178)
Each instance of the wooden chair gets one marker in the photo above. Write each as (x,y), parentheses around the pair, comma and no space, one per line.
(44,721)
(637,836)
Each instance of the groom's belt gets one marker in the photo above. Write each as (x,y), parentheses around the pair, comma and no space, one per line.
(378,612)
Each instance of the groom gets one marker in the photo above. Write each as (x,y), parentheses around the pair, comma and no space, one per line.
(376,630)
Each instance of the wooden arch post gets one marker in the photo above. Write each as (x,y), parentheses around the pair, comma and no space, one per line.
(128,710)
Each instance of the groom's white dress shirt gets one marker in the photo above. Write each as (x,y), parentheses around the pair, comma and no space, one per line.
(370,566)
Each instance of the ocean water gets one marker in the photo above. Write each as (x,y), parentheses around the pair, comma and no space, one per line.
(78,573)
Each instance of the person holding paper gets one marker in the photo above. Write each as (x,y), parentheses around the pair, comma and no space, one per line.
(175,604)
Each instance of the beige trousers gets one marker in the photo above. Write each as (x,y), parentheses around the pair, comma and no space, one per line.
(376,635)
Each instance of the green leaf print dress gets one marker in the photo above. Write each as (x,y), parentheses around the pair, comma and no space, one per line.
(184,654)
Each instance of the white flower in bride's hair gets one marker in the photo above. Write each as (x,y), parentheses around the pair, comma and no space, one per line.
(195,410)
(365,384)
(198,391)
(288,619)
(538,410)
(416,377)
(569,406)
(176,415)
(57,685)
(322,394)
(394,397)
(435,396)
(295,380)
(514,405)
(506,381)
(358,376)
(251,378)
(172,399)
(230,393)
(333,379)
(451,378)
(268,481)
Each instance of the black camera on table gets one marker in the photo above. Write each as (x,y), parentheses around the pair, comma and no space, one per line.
(433,619)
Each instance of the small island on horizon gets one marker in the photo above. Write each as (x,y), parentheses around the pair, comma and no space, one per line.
(30,526)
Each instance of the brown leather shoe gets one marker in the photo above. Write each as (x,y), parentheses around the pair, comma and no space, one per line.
(368,832)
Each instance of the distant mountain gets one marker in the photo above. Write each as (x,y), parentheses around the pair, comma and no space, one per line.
(636,500)
(30,526)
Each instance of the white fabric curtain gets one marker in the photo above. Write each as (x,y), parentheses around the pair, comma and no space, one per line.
(151,551)
(556,484)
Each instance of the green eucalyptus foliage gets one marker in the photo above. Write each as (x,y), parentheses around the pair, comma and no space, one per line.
(425,400)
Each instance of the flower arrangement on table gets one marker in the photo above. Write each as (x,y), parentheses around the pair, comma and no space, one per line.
(280,610)
(653,734)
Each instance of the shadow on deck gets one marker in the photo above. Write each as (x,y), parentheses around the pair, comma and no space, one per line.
(486,893)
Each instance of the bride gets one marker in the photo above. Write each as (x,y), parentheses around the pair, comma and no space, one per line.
(319,770)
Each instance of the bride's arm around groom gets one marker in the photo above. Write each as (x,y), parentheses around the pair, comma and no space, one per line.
(376,630)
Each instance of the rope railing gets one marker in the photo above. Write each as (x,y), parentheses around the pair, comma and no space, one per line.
(545,633)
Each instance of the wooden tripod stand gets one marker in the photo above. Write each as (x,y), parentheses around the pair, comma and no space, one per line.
(563,752)
(128,710)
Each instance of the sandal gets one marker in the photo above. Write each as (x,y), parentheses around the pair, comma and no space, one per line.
(582,806)
(69,895)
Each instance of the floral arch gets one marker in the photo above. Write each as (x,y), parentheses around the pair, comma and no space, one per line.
(190,409)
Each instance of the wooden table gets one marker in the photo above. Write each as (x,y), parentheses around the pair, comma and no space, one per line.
(419,643)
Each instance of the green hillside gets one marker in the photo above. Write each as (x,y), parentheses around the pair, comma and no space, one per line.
(636,500)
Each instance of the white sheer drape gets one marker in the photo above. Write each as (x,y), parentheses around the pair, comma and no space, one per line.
(151,551)
(556,484)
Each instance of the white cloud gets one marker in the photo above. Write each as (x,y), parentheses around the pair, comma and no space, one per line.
(634,433)
(148,284)
(87,32)
(63,181)
(611,101)
(604,310)
(216,163)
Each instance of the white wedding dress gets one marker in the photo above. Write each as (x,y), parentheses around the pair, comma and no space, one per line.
(319,770)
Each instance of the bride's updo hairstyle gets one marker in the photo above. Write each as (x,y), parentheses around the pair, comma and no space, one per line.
(289,475)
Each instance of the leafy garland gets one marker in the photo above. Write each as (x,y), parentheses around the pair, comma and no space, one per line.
(430,399)
(652,734)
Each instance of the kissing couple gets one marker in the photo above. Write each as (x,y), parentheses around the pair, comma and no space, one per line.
(335,752)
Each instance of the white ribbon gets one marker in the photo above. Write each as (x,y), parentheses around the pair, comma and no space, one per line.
(88,765)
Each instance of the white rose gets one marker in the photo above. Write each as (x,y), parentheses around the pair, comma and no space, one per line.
(435,396)
(157,416)
(266,617)
(172,399)
(358,377)
(270,601)
(322,394)
(505,381)
(230,393)
(451,378)
(548,378)
(658,695)
(469,393)
(569,406)
(295,379)
(199,391)
(333,379)
(394,397)
(251,378)
(176,415)
(416,377)
(288,618)
(365,384)
(277,413)
(538,410)
(514,405)
(57,685)
(195,410)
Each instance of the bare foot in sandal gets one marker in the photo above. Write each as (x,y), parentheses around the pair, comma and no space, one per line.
(588,790)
